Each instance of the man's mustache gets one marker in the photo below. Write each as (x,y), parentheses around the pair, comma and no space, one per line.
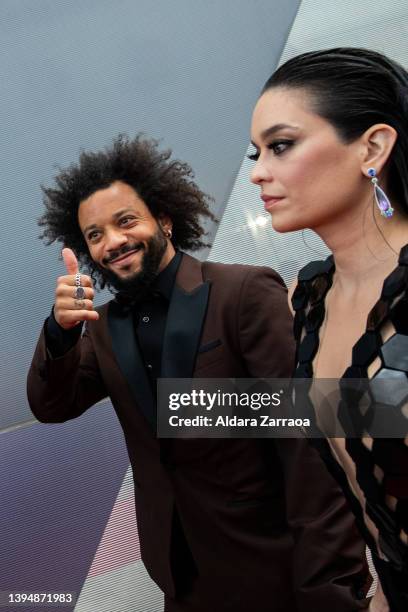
(120,252)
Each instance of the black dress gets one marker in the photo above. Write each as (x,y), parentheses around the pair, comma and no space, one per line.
(380,468)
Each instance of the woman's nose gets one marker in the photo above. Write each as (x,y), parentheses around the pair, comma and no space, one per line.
(260,172)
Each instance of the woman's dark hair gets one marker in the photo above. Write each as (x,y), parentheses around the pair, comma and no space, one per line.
(353,89)
(165,186)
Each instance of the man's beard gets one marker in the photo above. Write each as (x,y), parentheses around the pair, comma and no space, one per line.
(137,285)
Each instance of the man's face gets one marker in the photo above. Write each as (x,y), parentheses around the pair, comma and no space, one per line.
(124,239)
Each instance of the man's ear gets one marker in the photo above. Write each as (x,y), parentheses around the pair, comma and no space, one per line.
(378,142)
(165,223)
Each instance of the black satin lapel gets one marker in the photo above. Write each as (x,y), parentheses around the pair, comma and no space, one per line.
(130,362)
(183,331)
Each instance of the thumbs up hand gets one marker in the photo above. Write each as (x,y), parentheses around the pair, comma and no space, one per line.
(70,261)
(69,308)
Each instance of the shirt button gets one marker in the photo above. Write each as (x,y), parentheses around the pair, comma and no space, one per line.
(361,594)
(145,319)
(149,365)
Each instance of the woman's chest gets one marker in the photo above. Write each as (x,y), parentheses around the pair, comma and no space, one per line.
(335,349)
(344,326)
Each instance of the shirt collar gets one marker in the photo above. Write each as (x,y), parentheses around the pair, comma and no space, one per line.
(164,282)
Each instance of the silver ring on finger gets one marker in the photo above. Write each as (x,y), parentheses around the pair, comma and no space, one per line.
(80,304)
(79,293)
(78,279)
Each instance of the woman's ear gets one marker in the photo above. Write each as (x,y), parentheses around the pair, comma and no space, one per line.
(378,142)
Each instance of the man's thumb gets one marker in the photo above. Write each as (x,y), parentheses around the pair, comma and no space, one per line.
(70,261)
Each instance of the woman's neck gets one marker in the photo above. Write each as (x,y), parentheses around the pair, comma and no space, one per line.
(367,249)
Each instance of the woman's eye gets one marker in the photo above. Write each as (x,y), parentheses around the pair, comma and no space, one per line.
(280,146)
(253,156)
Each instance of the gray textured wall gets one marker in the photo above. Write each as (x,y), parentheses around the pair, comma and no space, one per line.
(73,75)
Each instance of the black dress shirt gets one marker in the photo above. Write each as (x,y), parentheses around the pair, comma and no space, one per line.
(150,316)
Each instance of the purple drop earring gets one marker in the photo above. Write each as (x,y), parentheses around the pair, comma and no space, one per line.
(380,197)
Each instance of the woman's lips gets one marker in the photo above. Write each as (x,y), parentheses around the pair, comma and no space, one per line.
(270,201)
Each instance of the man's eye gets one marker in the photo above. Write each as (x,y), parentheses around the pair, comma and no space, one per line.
(124,220)
(93,235)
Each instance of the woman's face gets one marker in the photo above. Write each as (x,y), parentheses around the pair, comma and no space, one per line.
(307,175)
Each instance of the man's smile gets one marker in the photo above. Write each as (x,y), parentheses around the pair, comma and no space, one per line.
(124,258)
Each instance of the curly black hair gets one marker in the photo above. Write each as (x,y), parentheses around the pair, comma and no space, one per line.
(165,186)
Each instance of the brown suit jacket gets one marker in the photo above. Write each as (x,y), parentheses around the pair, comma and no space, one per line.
(263,519)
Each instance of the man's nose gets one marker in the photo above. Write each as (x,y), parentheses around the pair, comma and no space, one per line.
(114,239)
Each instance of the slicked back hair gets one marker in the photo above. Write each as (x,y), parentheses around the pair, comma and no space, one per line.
(354,89)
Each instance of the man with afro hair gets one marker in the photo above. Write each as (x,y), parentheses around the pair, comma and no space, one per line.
(224,524)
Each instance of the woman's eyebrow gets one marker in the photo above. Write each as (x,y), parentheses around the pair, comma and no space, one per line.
(275,128)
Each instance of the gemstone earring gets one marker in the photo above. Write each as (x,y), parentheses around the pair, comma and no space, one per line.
(380,197)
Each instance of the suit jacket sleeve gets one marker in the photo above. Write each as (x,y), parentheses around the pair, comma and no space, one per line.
(59,340)
(63,388)
(329,556)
